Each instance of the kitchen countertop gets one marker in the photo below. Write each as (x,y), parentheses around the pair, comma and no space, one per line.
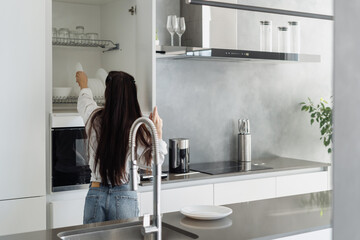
(277,164)
(264,219)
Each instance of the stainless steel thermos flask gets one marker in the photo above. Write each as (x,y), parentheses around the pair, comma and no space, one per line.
(179,155)
(244,141)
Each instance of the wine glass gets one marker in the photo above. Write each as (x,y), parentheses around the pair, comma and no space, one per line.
(171,25)
(180,28)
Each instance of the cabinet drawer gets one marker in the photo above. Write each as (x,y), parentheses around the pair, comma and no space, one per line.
(174,199)
(243,191)
(22,215)
(301,183)
(67,213)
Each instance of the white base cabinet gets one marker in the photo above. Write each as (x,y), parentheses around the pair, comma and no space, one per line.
(325,234)
(244,191)
(174,199)
(22,215)
(69,212)
(301,183)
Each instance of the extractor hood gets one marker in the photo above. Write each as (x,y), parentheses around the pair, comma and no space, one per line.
(221,54)
(212,34)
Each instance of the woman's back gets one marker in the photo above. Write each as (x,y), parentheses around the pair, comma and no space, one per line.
(108,130)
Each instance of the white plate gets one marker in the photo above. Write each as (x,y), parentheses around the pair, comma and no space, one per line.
(206,212)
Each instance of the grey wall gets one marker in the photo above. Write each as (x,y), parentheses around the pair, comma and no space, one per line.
(346,120)
(202,100)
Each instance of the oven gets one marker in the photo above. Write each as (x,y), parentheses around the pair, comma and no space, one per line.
(69,162)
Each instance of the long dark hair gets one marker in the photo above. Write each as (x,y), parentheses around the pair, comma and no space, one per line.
(112,124)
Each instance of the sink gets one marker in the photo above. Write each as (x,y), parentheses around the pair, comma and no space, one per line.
(124,231)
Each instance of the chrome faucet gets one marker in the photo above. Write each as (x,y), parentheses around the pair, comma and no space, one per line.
(156,227)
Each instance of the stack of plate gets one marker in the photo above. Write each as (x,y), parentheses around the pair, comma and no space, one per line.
(97,87)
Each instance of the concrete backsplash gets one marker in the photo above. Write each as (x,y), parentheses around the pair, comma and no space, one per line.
(202,100)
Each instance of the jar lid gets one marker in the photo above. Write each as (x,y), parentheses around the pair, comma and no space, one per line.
(294,23)
(265,22)
(283,28)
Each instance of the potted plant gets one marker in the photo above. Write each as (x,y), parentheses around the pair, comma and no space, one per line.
(321,113)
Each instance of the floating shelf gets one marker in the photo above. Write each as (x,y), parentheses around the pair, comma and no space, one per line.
(74,42)
(232,55)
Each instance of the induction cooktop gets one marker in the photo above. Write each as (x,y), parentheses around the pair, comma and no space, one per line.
(215,168)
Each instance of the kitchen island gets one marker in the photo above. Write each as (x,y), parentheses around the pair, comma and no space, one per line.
(263,219)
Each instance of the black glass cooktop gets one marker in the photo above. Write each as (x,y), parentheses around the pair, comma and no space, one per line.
(214,168)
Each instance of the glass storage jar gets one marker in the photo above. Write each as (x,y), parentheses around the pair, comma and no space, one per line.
(64,33)
(266,36)
(294,30)
(283,40)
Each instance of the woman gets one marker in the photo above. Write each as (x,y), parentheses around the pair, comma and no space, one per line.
(108,128)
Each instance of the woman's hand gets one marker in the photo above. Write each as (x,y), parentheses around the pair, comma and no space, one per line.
(154,116)
(82,80)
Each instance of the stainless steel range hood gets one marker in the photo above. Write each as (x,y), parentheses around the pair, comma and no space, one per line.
(212,34)
(219,54)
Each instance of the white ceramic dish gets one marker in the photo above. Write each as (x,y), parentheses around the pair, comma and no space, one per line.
(101,74)
(206,212)
(62,91)
(96,86)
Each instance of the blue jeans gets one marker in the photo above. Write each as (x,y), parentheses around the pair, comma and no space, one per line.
(110,203)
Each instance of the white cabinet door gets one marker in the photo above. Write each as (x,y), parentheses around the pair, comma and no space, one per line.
(22,99)
(301,183)
(145,53)
(22,215)
(67,213)
(174,199)
(136,36)
(243,191)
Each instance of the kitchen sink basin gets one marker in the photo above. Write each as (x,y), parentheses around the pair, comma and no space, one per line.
(124,231)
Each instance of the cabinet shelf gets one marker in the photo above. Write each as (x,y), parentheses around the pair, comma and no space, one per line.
(73,100)
(74,42)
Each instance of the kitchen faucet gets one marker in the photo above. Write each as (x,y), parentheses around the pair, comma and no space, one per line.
(155,228)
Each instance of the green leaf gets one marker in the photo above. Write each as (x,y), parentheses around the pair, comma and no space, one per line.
(323,130)
(329,150)
(303,108)
(312,121)
(326,142)
(302,103)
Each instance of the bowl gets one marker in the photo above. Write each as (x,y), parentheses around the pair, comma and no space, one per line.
(62,91)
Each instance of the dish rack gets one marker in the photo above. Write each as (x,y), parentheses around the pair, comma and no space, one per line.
(73,100)
(74,42)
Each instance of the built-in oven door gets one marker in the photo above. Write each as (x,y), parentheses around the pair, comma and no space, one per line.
(69,158)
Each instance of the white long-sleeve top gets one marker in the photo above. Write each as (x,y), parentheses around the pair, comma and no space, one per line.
(86,106)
